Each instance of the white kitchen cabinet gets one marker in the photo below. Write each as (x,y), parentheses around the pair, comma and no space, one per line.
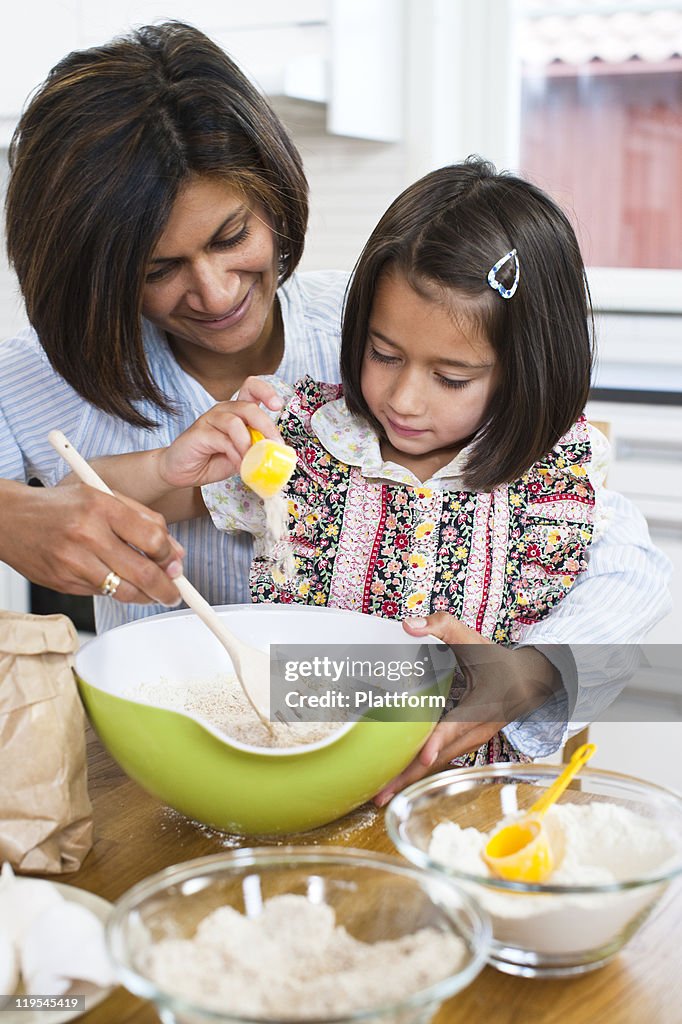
(366,70)
(280,49)
(283,51)
(27,52)
(345,53)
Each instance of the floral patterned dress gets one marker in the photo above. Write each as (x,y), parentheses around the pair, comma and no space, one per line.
(370,537)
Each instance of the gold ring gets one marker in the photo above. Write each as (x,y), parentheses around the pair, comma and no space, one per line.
(110,584)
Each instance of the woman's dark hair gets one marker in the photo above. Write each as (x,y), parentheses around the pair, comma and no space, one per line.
(447,230)
(97,160)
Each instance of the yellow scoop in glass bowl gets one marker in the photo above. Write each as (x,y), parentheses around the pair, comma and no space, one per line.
(522,851)
(267,465)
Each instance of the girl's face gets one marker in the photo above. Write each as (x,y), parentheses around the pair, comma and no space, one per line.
(212,277)
(426,378)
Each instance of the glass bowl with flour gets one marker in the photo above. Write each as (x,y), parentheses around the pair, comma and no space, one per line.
(618,842)
(297,934)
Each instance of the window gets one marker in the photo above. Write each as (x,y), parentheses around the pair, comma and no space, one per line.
(601,130)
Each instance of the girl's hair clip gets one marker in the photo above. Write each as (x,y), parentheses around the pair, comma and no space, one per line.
(506,293)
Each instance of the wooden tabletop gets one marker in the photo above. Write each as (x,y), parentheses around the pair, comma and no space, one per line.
(135,835)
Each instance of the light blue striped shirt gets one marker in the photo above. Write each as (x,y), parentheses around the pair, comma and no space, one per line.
(623,593)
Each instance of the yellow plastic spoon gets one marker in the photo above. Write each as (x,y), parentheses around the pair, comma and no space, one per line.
(267,465)
(522,851)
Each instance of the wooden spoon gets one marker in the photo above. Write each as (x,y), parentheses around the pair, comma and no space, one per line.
(251,666)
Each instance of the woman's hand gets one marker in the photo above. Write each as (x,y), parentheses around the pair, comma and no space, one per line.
(213,447)
(502,684)
(70,538)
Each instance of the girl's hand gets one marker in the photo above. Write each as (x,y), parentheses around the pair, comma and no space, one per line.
(502,684)
(255,389)
(213,447)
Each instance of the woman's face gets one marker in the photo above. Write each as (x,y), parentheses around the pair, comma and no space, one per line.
(427,377)
(211,280)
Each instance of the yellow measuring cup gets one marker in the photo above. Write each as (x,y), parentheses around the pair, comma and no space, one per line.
(267,465)
(522,851)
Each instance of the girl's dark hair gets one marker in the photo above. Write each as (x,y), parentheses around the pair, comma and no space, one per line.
(447,230)
(97,160)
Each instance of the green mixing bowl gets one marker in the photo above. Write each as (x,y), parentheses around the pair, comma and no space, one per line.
(196,769)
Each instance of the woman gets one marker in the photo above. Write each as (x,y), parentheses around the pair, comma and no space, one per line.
(156,214)
(150,177)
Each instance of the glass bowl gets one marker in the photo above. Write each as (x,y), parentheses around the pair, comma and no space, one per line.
(556,928)
(282,967)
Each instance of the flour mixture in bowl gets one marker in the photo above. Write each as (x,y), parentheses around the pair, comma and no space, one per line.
(221,703)
(618,844)
(314,966)
(297,934)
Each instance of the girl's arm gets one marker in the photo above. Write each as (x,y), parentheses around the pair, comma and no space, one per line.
(168,479)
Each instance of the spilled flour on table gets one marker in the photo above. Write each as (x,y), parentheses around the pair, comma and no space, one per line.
(292,961)
(180,822)
(343,831)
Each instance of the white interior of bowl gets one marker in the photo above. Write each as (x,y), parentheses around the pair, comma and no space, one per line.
(179,646)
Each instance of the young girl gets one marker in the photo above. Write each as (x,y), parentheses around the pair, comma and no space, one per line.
(453,469)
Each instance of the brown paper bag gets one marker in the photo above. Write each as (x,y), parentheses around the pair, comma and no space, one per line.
(45,812)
